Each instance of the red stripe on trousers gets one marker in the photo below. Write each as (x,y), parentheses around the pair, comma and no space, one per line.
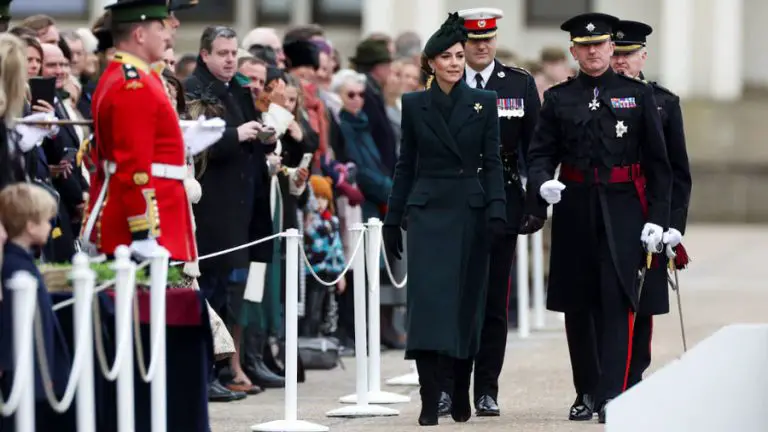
(629,349)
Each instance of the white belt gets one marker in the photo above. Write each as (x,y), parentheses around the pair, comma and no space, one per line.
(160,170)
(172,172)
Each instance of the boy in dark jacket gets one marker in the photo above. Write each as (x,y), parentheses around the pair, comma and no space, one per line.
(26,211)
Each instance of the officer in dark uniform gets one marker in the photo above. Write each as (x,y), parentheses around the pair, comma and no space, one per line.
(5,15)
(612,198)
(629,59)
(518,106)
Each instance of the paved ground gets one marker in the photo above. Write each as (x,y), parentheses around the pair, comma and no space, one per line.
(724,285)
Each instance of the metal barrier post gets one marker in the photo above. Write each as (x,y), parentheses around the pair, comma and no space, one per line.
(291,423)
(361,407)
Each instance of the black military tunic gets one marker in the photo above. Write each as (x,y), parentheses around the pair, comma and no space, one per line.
(655,297)
(607,134)
(518,105)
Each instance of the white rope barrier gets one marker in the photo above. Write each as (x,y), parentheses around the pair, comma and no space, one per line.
(350,260)
(362,408)
(388,267)
(290,422)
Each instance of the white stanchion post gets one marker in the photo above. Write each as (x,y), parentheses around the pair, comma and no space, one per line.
(158,269)
(24,287)
(125,285)
(84,279)
(361,408)
(537,250)
(290,422)
(373,253)
(523,320)
(410,379)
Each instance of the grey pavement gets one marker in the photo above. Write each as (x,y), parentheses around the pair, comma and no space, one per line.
(725,284)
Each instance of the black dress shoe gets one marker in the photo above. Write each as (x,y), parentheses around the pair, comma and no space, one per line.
(219,393)
(583,408)
(444,406)
(487,407)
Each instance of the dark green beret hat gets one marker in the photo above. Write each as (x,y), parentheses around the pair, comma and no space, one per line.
(125,11)
(450,33)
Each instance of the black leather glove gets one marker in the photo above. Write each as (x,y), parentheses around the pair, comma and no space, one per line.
(531,224)
(497,228)
(393,240)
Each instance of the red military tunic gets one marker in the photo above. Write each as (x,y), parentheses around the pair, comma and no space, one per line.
(139,141)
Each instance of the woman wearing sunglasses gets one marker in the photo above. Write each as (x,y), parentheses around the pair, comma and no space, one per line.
(448,187)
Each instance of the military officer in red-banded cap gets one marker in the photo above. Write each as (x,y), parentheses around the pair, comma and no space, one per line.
(518,106)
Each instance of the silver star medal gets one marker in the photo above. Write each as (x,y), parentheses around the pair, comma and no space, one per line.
(621,129)
(594,104)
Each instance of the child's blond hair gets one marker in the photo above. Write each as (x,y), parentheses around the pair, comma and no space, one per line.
(22,203)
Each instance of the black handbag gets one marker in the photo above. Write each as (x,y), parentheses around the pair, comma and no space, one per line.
(320,353)
(274,358)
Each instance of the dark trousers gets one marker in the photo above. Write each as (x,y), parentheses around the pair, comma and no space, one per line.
(493,339)
(311,323)
(600,337)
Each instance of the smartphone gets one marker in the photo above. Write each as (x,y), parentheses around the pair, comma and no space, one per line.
(306,160)
(265,134)
(42,89)
(70,154)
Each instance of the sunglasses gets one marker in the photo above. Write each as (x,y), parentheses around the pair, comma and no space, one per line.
(353,95)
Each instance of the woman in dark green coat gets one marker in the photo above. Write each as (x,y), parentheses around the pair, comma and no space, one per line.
(448,187)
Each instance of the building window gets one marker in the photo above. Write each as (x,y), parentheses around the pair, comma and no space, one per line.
(274,11)
(209,12)
(554,12)
(348,12)
(21,9)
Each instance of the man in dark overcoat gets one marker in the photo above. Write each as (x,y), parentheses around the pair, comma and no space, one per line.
(629,59)
(612,197)
(518,105)
(233,174)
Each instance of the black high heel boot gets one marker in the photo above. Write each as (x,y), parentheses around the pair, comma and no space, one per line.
(461,410)
(426,364)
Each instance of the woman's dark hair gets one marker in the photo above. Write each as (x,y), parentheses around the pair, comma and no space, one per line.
(64,47)
(181,103)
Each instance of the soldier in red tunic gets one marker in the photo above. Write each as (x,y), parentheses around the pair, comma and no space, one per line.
(140,155)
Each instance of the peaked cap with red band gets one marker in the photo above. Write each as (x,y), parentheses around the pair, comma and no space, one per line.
(481,22)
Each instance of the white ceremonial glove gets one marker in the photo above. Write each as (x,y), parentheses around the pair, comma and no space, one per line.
(551,191)
(651,237)
(201,133)
(671,238)
(145,248)
(32,136)
(194,190)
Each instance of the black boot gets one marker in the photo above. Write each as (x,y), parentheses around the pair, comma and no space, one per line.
(253,361)
(583,408)
(461,410)
(427,366)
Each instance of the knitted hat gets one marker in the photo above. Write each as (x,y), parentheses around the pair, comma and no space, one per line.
(322,187)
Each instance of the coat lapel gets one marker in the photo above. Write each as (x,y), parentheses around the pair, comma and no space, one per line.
(435,121)
(465,108)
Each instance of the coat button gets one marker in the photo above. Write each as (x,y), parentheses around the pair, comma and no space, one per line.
(461,171)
